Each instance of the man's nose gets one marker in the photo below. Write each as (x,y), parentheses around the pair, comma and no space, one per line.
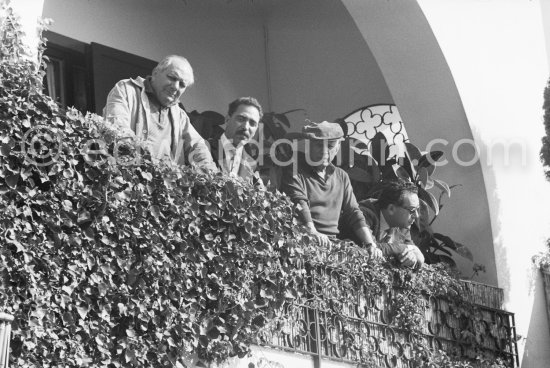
(247,125)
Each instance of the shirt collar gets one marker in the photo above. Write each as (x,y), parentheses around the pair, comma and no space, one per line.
(329,170)
(383,224)
(151,93)
(233,155)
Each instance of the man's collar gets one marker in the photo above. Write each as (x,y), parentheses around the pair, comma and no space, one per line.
(147,85)
(329,170)
(383,223)
(226,143)
(151,93)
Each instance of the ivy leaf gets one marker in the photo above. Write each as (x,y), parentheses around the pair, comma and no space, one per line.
(213,333)
(147,176)
(5,150)
(11,180)
(84,217)
(129,356)
(155,211)
(82,311)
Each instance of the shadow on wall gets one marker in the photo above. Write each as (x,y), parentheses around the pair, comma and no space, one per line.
(539,330)
(503,276)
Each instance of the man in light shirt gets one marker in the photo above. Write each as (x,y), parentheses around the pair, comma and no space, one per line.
(148,109)
(230,152)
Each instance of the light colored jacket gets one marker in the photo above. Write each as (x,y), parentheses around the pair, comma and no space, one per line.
(128,106)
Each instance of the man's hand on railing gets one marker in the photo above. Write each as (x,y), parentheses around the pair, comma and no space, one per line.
(322,239)
(411,257)
(375,252)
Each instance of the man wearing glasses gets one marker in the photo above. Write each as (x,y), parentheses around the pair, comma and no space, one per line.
(230,152)
(390,218)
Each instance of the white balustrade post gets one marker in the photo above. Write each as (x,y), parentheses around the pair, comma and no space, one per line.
(5,332)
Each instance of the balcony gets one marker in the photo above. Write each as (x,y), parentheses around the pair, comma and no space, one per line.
(368,328)
(133,265)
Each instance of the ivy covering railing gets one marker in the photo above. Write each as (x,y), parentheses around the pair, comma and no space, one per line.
(341,318)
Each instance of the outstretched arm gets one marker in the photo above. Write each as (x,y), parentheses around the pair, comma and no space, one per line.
(367,240)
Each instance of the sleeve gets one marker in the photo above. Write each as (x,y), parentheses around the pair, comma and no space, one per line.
(294,187)
(194,147)
(117,108)
(351,213)
(371,218)
(392,249)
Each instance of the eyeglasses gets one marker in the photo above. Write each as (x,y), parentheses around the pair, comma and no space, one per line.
(411,210)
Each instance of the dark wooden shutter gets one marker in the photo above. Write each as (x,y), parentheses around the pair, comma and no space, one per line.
(110,65)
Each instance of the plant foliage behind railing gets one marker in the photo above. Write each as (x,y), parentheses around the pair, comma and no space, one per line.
(110,261)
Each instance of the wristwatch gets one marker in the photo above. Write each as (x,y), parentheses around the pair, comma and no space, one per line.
(366,245)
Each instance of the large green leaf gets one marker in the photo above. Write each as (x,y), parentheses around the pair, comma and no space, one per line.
(422,178)
(429,199)
(429,160)
(441,258)
(406,162)
(400,172)
(413,153)
(423,220)
(443,186)
(461,249)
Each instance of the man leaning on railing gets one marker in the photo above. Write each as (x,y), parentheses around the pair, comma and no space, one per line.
(323,191)
(148,109)
(324,197)
(390,218)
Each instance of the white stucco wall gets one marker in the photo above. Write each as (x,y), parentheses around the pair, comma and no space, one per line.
(319,61)
(224,41)
(545,9)
(496,52)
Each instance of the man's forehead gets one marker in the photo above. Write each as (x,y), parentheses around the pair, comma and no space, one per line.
(244,109)
(178,67)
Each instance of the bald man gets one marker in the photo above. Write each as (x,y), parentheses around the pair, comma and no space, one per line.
(148,108)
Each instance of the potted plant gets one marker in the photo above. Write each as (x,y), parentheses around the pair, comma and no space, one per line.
(375,163)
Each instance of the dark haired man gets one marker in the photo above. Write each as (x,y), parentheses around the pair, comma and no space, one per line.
(148,109)
(230,152)
(390,218)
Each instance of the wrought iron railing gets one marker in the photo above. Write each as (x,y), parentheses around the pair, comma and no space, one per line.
(363,330)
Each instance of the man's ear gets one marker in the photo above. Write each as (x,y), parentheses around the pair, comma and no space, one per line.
(391,208)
